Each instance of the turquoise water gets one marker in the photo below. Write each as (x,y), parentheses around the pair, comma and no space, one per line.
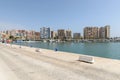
(107,50)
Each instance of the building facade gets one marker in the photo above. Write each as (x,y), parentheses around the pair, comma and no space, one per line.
(107,31)
(30,35)
(20,35)
(97,33)
(102,33)
(53,35)
(44,33)
(91,33)
(37,36)
(76,35)
(61,34)
(68,34)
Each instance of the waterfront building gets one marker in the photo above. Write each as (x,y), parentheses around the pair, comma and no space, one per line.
(76,35)
(37,35)
(30,35)
(61,34)
(7,32)
(107,31)
(20,34)
(104,32)
(3,36)
(13,32)
(44,33)
(68,34)
(53,35)
(91,33)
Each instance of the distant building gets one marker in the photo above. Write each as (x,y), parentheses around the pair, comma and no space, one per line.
(76,35)
(97,33)
(107,31)
(45,33)
(53,34)
(68,34)
(104,32)
(20,34)
(30,35)
(37,35)
(13,32)
(8,32)
(3,35)
(61,34)
(91,33)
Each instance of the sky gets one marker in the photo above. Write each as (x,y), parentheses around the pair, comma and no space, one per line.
(60,14)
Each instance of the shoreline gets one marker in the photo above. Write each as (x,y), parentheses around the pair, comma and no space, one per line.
(42,50)
(68,52)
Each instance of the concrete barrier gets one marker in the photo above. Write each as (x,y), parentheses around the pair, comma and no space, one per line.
(88,59)
(38,50)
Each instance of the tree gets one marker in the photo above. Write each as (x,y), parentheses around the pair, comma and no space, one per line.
(11,37)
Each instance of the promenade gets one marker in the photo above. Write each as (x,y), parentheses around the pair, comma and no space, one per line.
(26,64)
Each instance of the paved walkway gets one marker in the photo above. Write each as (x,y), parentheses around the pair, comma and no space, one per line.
(20,64)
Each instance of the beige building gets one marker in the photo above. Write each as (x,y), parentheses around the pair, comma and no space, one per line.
(91,33)
(104,32)
(61,34)
(107,31)
(5,34)
(21,34)
(30,35)
(37,35)
(97,33)
(53,34)
(68,34)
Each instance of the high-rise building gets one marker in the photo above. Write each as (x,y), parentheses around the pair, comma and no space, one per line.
(44,33)
(104,32)
(53,34)
(91,33)
(76,35)
(97,33)
(61,34)
(68,34)
(107,31)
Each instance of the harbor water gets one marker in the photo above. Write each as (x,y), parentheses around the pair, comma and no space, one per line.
(106,50)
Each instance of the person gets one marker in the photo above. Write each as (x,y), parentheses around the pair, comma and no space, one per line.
(56,49)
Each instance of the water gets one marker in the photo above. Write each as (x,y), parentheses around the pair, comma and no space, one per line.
(106,50)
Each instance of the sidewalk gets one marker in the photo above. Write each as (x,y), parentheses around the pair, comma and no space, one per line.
(6,73)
